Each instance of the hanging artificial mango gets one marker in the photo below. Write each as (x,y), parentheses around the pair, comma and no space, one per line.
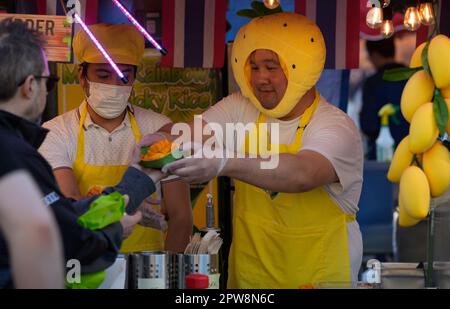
(421,162)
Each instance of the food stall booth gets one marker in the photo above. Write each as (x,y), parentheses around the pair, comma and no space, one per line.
(186,69)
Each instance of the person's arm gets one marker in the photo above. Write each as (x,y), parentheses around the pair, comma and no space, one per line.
(289,173)
(67,182)
(57,149)
(177,204)
(31,233)
(331,148)
(97,250)
(311,170)
(300,172)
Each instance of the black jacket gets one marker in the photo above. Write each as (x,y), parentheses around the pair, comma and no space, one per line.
(96,250)
(376,93)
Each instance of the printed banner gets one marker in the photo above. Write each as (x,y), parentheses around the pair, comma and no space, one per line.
(56,31)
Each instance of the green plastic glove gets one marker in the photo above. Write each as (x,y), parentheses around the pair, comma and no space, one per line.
(88,281)
(105,210)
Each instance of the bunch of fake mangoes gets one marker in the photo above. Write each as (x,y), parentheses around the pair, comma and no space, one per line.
(421,162)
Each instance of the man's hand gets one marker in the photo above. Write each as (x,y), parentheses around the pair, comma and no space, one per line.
(193,170)
(196,168)
(146,140)
(129,221)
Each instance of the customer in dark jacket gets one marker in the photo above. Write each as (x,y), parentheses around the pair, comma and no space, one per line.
(24,83)
(378,92)
(33,240)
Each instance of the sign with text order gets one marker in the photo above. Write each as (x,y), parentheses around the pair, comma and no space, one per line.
(55,30)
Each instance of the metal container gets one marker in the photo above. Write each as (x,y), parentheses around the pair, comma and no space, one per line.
(149,270)
(402,276)
(207,264)
(442,275)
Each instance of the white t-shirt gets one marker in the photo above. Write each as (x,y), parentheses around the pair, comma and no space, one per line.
(101,147)
(332,134)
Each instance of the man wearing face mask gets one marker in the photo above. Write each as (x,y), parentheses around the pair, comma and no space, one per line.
(89,147)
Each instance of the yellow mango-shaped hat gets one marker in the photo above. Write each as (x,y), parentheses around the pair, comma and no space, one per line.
(123,43)
(300,47)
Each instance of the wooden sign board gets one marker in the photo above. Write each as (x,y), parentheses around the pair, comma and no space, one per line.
(56,32)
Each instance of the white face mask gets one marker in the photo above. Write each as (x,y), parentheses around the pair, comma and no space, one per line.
(108,101)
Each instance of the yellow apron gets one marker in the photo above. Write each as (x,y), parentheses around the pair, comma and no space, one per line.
(93,178)
(294,240)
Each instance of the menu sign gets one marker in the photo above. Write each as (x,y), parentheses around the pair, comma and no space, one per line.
(56,32)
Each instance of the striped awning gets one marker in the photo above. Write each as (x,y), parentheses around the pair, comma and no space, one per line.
(339,22)
(193,32)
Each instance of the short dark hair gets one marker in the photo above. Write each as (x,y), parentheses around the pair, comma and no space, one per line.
(385,48)
(20,55)
(85,65)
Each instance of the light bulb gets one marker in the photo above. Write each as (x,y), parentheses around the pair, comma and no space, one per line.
(378,3)
(372,3)
(387,28)
(374,17)
(427,13)
(412,19)
(271,4)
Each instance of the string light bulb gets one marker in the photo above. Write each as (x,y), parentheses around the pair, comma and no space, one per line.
(378,3)
(412,19)
(272,4)
(427,13)
(374,17)
(387,27)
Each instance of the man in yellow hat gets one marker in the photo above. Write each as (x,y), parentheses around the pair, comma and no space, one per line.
(295,200)
(90,147)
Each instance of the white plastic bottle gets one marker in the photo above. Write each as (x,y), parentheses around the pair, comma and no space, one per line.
(385,142)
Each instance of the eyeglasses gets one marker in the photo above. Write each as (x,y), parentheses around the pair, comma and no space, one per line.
(50,83)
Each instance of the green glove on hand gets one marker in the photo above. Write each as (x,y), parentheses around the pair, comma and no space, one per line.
(105,210)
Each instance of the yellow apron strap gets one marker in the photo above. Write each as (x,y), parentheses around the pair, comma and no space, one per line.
(134,127)
(80,144)
(350,218)
(303,122)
